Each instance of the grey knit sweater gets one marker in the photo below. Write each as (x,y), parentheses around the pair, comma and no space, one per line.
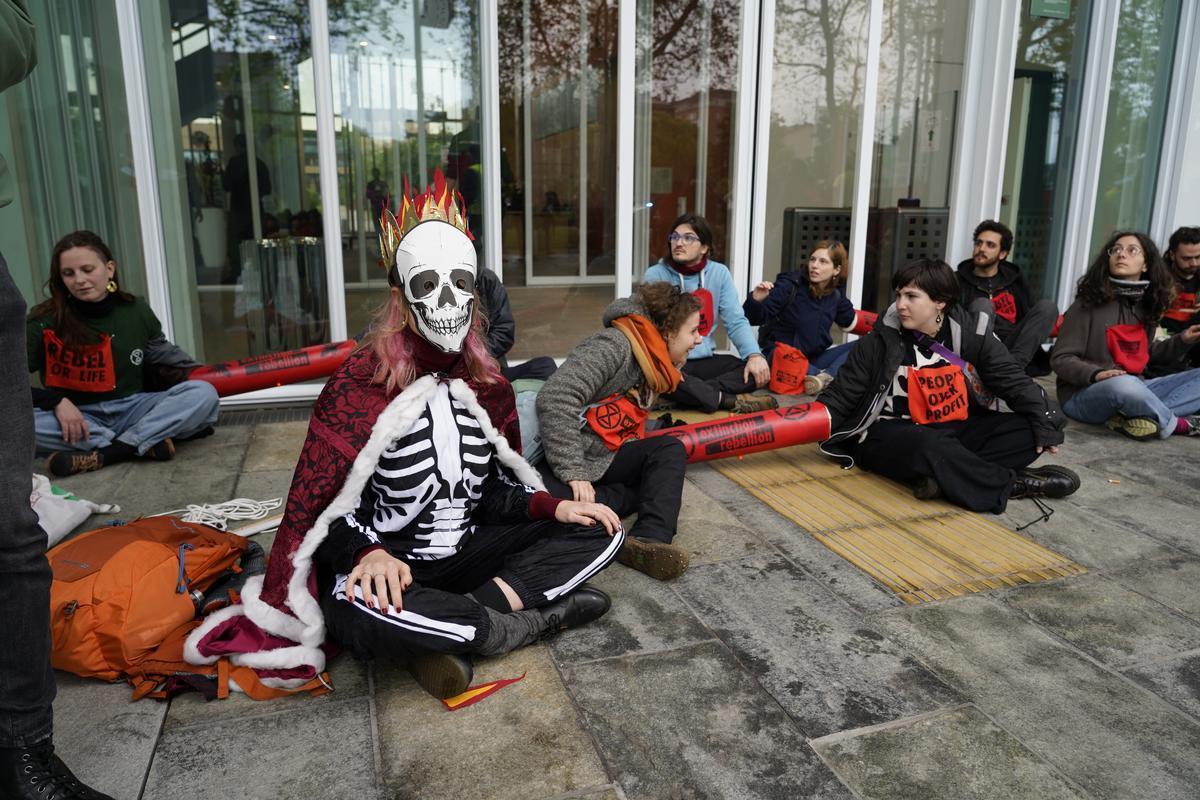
(599,366)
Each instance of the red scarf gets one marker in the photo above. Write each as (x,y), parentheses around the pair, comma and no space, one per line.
(694,269)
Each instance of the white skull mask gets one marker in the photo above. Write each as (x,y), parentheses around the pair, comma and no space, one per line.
(435,263)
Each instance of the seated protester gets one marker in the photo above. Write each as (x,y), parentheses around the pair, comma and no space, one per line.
(429,535)
(593,416)
(1183,264)
(710,381)
(100,352)
(1106,344)
(907,403)
(801,307)
(992,283)
(501,329)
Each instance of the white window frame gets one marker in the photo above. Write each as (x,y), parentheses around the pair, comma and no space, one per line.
(1175,196)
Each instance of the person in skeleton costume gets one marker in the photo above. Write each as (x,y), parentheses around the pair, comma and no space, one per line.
(414,530)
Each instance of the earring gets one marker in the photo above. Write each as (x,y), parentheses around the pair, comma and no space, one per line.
(939,319)
(111,286)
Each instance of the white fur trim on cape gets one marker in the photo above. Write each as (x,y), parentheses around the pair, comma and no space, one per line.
(308,626)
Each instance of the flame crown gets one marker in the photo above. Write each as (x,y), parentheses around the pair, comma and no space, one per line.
(437,202)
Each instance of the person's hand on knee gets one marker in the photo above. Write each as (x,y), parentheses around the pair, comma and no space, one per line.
(71,420)
(582,491)
(570,511)
(757,368)
(382,578)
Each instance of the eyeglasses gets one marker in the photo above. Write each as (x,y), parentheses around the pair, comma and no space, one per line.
(686,238)
(1132,249)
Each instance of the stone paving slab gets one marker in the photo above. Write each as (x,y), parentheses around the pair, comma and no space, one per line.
(265,485)
(1176,680)
(691,723)
(105,738)
(1096,541)
(1171,520)
(1104,733)
(1173,583)
(647,615)
(849,582)
(924,758)
(827,669)
(306,752)
(525,741)
(1112,624)
(275,446)
(710,531)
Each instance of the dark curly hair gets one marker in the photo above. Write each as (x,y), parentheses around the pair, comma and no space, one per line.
(666,305)
(1095,289)
(703,231)
(67,324)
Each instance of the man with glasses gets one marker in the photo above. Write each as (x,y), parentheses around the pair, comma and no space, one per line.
(992,284)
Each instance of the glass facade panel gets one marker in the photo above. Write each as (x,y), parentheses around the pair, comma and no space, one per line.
(820,61)
(1137,109)
(406,101)
(558,144)
(231,85)
(1041,140)
(686,110)
(920,78)
(65,135)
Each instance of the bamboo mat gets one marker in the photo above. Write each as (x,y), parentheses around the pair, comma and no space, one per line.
(921,549)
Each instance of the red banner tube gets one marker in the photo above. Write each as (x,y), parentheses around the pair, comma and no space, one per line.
(274,369)
(864,321)
(751,433)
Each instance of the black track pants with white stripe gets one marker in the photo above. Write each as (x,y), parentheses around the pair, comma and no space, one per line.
(541,560)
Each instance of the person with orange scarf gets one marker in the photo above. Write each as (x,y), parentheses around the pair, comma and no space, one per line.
(592,413)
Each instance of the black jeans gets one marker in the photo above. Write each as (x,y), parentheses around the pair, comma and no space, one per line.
(26,682)
(645,476)
(706,379)
(1025,337)
(972,461)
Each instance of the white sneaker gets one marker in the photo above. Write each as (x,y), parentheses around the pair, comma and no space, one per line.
(815,384)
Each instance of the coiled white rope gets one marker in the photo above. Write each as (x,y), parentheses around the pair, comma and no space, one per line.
(219,515)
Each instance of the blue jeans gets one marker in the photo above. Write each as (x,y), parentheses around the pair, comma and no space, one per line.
(831,360)
(1160,399)
(26,682)
(141,420)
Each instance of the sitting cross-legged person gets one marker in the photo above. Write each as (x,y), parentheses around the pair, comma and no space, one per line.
(414,531)
(610,381)
(912,402)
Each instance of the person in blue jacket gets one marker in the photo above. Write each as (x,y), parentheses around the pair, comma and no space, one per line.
(801,307)
(712,381)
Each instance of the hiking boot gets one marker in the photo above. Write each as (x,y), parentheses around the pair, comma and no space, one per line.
(926,488)
(36,772)
(62,463)
(1050,481)
(1138,428)
(815,384)
(580,607)
(750,403)
(659,560)
(443,675)
(200,434)
(163,451)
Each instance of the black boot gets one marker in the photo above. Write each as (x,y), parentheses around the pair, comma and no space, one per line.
(36,773)
(1051,481)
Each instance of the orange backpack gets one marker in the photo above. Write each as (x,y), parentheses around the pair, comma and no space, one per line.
(125,597)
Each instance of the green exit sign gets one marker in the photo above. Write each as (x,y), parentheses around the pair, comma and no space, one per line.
(1057,9)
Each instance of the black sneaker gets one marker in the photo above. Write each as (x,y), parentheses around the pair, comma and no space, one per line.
(926,488)
(1051,481)
(443,675)
(36,773)
(580,607)
(62,463)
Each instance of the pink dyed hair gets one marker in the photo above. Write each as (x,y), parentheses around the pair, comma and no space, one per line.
(397,369)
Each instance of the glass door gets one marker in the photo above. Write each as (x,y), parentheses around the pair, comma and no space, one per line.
(1041,140)
(686,110)
(558,124)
